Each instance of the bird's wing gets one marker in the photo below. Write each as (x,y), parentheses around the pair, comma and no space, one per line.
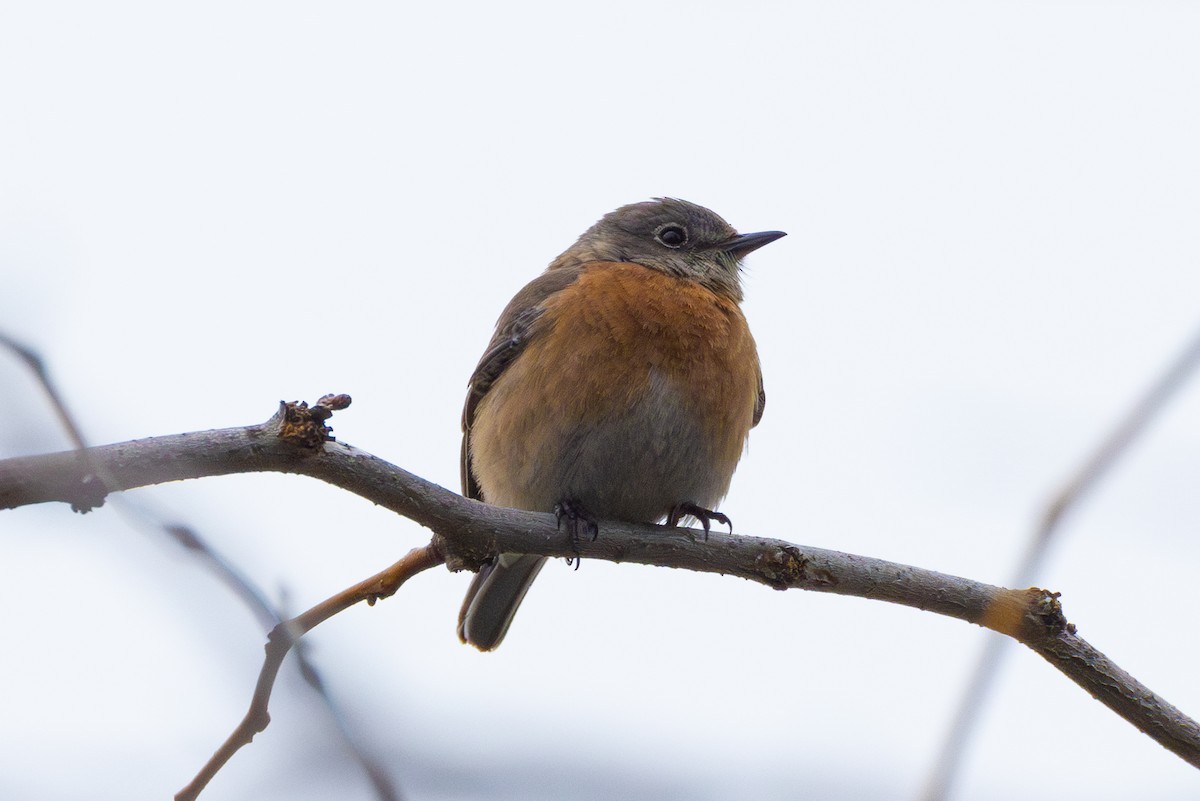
(516,326)
(761,403)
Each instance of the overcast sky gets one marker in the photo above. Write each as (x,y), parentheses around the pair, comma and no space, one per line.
(992,214)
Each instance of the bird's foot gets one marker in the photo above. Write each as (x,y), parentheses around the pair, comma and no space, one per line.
(579,525)
(704,516)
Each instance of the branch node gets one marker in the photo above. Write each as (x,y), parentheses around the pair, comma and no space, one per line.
(1028,615)
(91,494)
(1047,612)
(786,567)
(304,426)
(466,554)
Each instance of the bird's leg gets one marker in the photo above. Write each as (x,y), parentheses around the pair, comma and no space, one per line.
(579,524)
(704,516)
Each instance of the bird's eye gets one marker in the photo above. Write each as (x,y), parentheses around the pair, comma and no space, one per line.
(672,236)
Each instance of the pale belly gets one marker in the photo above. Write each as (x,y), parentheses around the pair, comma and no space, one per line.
(634,463)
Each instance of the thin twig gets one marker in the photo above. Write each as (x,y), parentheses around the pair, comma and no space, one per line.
(468,532)
(1116,445)
(285,635)
(377,774)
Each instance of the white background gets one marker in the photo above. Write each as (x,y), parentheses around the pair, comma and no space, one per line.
(993,250)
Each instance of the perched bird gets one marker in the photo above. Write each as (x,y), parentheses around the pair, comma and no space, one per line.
(621,383)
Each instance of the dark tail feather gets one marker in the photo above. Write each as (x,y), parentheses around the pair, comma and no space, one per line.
(493,599)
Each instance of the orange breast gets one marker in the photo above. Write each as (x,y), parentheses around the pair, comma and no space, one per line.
(636,393)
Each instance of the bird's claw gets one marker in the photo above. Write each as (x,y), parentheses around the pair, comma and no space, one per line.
(579,525)
(704,516)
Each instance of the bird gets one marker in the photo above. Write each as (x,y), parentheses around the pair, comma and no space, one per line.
(621,384)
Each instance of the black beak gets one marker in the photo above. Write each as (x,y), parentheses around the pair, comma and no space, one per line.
(742,244)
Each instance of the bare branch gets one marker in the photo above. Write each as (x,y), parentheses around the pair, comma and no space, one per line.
(468,532)
(74,477)
(285,635)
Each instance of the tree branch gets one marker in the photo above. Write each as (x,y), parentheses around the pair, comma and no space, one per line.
(468,532)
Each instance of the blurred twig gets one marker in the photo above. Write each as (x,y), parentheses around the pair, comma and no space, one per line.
(251,596)
(1117,444)
(38,367)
